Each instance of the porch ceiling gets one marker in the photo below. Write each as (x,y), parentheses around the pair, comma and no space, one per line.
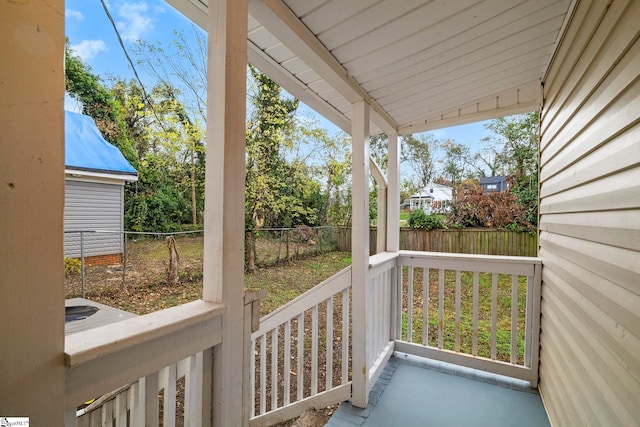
(420,64)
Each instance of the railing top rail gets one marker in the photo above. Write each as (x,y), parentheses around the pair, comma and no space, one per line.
(88,345)
(470,262)
(313,296)
(381,258)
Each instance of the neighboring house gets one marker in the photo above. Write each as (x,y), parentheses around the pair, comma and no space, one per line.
(491,184)
(431,198)
(95,174)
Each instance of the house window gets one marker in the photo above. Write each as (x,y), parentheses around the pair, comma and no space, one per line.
(492,186)
(431,190)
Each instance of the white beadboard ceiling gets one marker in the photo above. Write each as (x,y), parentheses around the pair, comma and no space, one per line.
(420,64)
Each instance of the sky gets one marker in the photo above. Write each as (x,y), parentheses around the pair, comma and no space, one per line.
(92,36)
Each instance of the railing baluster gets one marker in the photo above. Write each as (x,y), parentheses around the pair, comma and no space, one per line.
(514,318)
(440,307)
(169,412)
(345,336)
(107,414)
(387,304)
(329,357)
(398,292)
(494,315)
(300,360)
(528,322)
(152,409)
(135,398)
(274,368)
(287,363)
(410,305)
(457,310)
(263,373)
(252,361)
(193,389)
(425,305)
(314,350)
(121,408)
(476,296)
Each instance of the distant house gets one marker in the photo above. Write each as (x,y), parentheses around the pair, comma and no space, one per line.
(492,184)
(431,198)
(95,174)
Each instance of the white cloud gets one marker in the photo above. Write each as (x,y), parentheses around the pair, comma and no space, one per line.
(438,133)
(88,49)
(135,21)
(73,14)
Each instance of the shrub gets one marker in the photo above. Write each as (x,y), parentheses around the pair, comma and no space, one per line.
(72,266)
(479,209)
(419,219)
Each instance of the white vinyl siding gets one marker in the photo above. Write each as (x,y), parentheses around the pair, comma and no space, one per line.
(93,206)
(590,220)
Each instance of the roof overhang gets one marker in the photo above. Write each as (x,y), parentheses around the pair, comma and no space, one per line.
(82,175)
(420,65)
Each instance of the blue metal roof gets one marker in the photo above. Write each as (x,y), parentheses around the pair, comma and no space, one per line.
(86,149)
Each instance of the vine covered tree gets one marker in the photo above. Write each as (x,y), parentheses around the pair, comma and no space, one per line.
(515,145)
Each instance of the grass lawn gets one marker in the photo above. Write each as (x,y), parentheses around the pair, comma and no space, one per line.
(465,325)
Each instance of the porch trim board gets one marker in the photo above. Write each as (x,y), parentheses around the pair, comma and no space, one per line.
(102,359)
(284,413)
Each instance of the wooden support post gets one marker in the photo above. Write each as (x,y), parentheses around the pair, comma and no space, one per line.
(393,194)
(360,251)
(224,201)
(31,219)
(381,229)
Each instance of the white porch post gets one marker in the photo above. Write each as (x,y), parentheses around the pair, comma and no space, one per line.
(360,250)
(224,202)
(393,194)
(31,215)
(381,228)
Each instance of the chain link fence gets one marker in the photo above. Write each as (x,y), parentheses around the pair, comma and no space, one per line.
(111,261)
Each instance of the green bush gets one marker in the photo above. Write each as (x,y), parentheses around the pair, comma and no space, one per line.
(419,219)
(72,266)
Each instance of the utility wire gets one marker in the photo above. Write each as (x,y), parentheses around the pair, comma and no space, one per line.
(135,72)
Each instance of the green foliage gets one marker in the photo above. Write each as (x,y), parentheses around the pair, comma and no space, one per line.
(72,266)
(276,192)
(419,219)
(516,150)
(98,102)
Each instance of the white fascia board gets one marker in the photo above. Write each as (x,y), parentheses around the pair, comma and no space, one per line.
(80,175)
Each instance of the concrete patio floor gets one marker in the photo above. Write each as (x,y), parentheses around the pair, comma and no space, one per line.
(413,391)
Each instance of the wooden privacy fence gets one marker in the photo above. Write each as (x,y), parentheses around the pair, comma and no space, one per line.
(478,241)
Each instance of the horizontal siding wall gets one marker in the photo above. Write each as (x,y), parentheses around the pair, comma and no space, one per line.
(590,219)
(93,206)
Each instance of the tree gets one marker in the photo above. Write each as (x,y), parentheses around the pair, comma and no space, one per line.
(98,102)
(417,152)
(181,65)
(515,144)
(165,137)
(268,127)
(455,164)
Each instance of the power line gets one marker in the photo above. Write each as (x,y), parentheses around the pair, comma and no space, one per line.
(135,72)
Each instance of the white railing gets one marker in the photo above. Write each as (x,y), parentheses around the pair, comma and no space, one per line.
(478,311)
(178,386)
(127,363)
(308,335)
(380,342)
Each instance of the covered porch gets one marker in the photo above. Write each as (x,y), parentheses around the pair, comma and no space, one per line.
(414,391)
(386,67)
